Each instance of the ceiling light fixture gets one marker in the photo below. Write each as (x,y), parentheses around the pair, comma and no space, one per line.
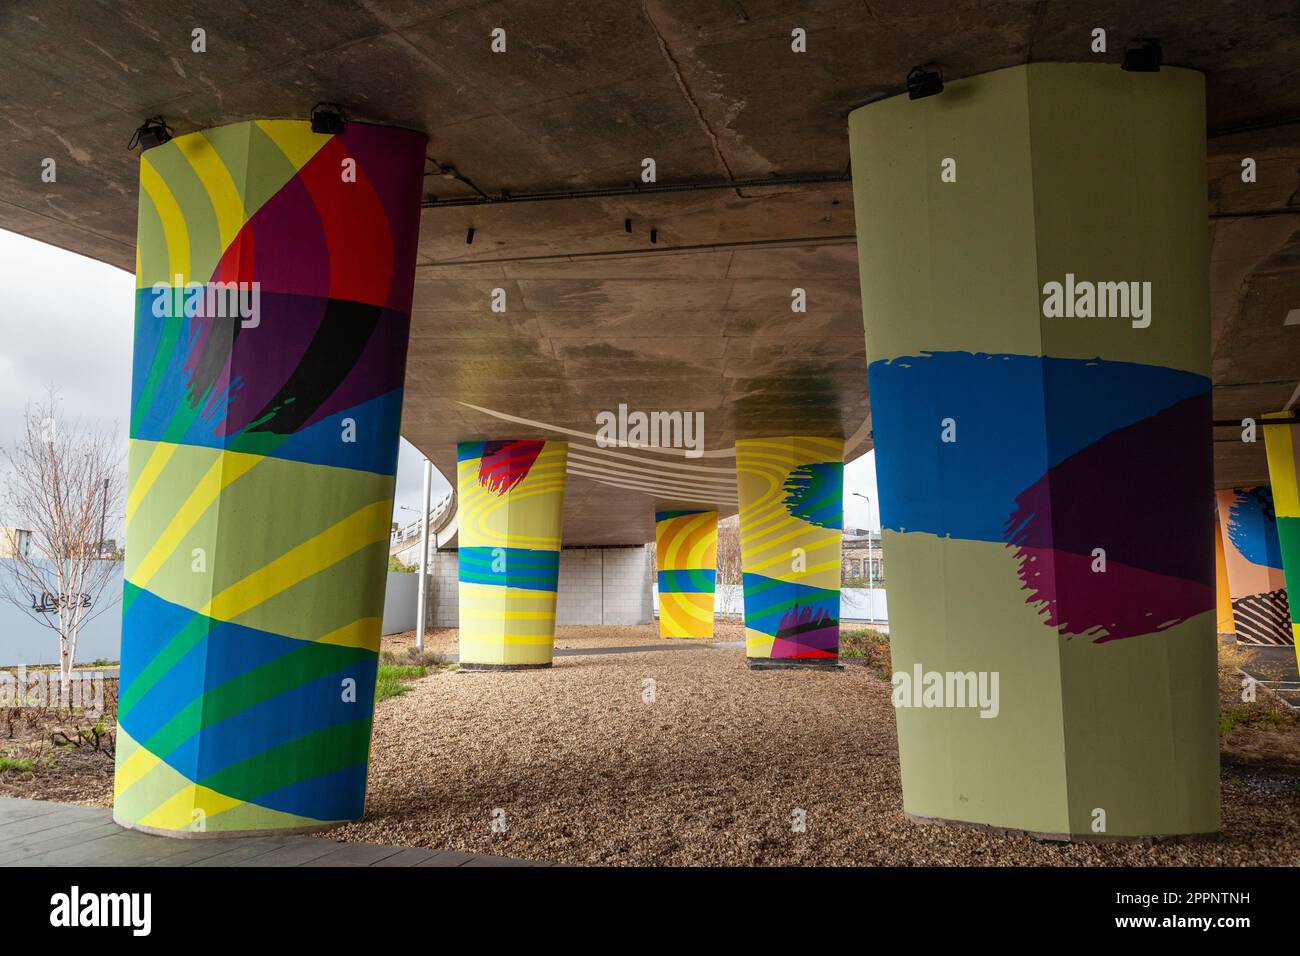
(922,82)
(152,132)
(328,118)
(1142,56)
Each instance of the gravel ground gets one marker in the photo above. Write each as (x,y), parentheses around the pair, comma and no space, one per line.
(442,640)
(587,772)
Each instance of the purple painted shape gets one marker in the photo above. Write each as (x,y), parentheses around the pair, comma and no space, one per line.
(1141,493)
(289,251)
(380,369)
(807,632)
(261,363)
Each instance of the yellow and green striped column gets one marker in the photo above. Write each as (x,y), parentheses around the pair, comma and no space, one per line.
(511,510)
(272,314)
(686,552)
(791,529)
(1282,443)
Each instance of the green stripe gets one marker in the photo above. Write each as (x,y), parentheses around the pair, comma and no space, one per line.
(249,689)
(180,645)
(312,755)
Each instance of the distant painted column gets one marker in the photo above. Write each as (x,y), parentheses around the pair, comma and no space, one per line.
(1252,549)
(274,278)
(1282,443)
(686,549)
(1032,253)
(511,510)
(791,526)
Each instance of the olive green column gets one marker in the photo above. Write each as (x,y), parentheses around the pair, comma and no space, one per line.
(1032,248)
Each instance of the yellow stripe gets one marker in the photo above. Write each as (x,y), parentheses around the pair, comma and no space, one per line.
(158,458)
(175,231)
(226,468)
(224,196)
(295,139)
(133,768)
(358,530)
(1279,443)
(177,811)
(364,632)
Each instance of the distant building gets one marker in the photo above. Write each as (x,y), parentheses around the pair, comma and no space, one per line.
(15,542)
(861,557)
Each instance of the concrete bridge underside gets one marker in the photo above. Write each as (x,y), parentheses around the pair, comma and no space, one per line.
(698,319)
(552,285)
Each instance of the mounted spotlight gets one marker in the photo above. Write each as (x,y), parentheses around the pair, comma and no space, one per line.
(328,118)
(1142,56)
(153,132)
(922,82)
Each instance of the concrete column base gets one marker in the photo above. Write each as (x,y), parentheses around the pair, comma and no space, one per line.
(788,664)
(1065,837)
(228,834)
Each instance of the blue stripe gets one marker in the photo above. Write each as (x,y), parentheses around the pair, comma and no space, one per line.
(310,707)
(768,600)
(688,581)
(510,567)
(1015,417)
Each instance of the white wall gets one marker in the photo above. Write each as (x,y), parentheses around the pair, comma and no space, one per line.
(399,602)
(856,604)
(25,641)
(596,586)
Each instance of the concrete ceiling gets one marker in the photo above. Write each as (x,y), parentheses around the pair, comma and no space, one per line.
(698,320)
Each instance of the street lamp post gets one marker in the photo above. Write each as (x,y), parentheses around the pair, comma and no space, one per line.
(871,574)
(422,587)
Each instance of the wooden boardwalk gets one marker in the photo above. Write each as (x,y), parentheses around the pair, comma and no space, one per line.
(37,833)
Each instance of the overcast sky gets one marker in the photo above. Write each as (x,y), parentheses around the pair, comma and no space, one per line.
(66,322)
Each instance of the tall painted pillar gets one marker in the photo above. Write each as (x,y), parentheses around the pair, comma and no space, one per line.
(274,277)
(1252,549)
(686,552)
(511,511)
(1043,445)
(791,529)
(1222,591)
(1282,443)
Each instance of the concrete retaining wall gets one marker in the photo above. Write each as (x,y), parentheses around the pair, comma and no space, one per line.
(856,604)
(25,641)
(597,586)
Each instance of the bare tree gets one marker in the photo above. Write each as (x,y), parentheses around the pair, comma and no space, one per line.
(729,550)
(729,566)
(64,481)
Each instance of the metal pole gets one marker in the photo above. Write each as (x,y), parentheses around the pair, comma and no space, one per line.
(871,565)
(423,586)
(102,515)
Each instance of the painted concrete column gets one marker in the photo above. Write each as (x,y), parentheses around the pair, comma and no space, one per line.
(1222,591)
(511,511)
(1253,554)
(1282,443)
(686,552)
(274,280)
(1032,252)
(791,526)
